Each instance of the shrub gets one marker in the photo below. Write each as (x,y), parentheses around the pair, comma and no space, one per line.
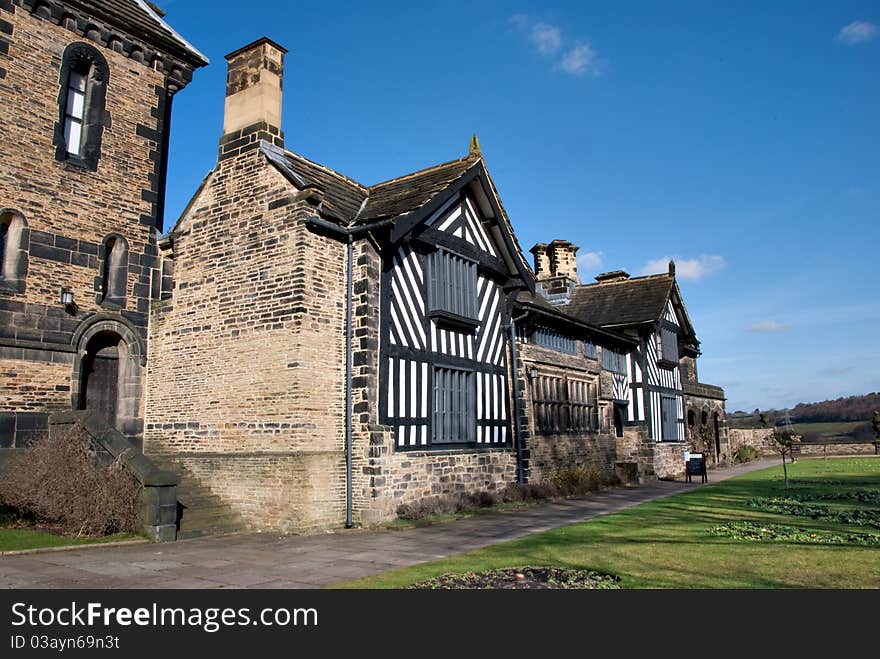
(57,482)
(745,454)
(516,492)
(574,481)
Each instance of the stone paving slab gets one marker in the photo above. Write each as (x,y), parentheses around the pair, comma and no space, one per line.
(264,560)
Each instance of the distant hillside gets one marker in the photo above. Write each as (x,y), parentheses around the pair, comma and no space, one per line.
(843,416)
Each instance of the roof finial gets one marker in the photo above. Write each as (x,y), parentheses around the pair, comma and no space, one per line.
(672,267)
(474,149)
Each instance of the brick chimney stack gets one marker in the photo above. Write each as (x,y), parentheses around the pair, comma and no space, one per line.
(253,97)
(556,270)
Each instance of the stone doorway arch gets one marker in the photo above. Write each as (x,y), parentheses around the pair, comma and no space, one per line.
(108,373)
(104,365)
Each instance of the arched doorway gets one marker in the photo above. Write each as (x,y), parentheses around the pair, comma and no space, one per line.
(717,435)
(103,368)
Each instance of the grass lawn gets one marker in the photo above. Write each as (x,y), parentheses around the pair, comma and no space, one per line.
(830,428)
(665,544)
(16,535)
(17,539)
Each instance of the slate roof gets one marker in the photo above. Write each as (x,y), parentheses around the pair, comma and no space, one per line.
(343,197)
(348,202)
(529,300)
(628,302)
(408,193)
(142,21)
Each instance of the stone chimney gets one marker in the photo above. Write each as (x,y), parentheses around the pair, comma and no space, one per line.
(613,276)
(253,97)
(556,270)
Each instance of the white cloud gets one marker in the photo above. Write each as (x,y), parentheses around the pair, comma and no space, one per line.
(768,326)
(546,37)
(587,261)
(858,32)
(573,57)
(687,269)
(580,59)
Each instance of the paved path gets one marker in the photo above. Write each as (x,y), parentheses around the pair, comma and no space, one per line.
(272,561)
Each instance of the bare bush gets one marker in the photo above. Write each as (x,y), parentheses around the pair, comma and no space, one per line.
(575,481)
(57,482)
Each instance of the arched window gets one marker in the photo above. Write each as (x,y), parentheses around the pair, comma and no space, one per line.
(13,250)
(114,271)
(82,117)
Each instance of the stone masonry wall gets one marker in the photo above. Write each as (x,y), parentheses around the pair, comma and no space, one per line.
(548,453)
(383,478)
(669,460)
(758,438)
(252,336)
(69,210)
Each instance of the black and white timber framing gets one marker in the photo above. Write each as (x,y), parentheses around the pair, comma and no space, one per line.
(656,384)
(443,376)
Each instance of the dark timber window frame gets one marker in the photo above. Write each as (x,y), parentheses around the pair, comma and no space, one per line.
(454,406)
(614,361)
(564,405)
(553,340)
(590,351)
(452,290)
(668,341)
(81,59)
(668,418)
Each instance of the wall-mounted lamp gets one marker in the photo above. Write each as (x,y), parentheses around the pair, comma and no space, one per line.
(533,373)
(67,299)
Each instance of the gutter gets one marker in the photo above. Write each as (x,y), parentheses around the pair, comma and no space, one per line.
(619,338)
(348,233)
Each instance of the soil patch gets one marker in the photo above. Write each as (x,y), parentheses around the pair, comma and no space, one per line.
(526,578)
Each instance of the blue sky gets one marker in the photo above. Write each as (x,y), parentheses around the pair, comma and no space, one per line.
(743,140)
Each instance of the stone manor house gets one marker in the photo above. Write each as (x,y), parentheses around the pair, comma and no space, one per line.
(304,350)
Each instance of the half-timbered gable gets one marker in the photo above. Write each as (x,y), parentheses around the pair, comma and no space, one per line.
(443,339)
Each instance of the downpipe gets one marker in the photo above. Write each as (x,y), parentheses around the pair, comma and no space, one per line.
(349,234)
(517,433)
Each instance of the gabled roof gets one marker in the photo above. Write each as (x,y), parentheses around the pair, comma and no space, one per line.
(630,302)
(406,199)
(621,303)
(142,20)
(412,191)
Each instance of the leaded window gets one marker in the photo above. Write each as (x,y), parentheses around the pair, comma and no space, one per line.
(590,350)
(613,361)
(544,336)
(563,405)
(81,100)
(74,111)
(454,417)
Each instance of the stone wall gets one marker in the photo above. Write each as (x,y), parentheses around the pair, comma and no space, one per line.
(669,460)
(67,210)
(252,336)
(410,476)
(286,492)
(699,405)
(757,438)
(834,447)
(548,453)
